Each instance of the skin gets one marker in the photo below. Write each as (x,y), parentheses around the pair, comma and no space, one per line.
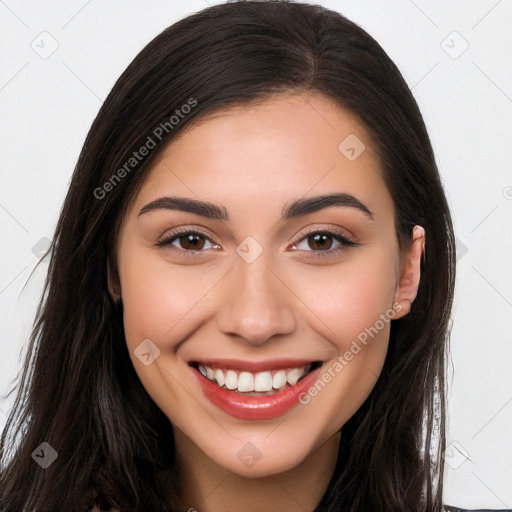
(252,161)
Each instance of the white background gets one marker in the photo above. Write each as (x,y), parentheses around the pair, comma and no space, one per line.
(47,106)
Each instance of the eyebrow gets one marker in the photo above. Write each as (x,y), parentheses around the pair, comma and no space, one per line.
(299,207)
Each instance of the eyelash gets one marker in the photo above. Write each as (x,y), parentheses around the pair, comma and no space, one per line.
(338,236)
(168,239)
(329,253)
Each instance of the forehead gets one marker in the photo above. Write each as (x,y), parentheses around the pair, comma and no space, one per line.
(288,145)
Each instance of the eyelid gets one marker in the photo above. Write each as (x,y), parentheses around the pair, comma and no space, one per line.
(170,236)
(335,231)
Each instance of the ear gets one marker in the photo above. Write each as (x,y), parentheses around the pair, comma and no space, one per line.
(410,273)
(114,287)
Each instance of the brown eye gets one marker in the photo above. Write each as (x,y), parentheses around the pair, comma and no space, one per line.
(191,242)
(320,241)
(324,243)
(187,241)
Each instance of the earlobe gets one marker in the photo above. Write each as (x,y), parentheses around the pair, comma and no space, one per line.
(410,273)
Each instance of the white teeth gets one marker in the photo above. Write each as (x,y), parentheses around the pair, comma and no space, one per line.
(279,379)
(245,382)
(263,381)
(293,376)
(231,380)
(219,377)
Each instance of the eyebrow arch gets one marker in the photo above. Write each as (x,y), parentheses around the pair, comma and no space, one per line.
(314,204)
(299,207)
(186,204)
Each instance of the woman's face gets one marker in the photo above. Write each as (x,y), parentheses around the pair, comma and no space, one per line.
(261,245)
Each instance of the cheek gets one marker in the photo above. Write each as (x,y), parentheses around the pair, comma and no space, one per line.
(350,299)
(157,298)
(353,309)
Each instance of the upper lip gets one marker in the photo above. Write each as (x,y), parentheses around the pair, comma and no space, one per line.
(253,366)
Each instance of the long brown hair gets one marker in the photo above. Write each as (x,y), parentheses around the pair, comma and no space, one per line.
(79,391)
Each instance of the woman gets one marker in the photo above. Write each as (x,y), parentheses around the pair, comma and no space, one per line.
(250,284)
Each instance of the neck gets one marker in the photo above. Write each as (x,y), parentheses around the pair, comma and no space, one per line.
(208,487)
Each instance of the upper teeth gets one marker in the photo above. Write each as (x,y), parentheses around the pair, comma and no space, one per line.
(247,381)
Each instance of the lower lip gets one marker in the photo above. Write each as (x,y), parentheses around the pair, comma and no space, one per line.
(263,407)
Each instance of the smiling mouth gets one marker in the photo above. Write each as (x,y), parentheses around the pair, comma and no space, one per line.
(261,383)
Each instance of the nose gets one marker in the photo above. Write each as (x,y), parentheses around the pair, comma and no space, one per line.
(255,303)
